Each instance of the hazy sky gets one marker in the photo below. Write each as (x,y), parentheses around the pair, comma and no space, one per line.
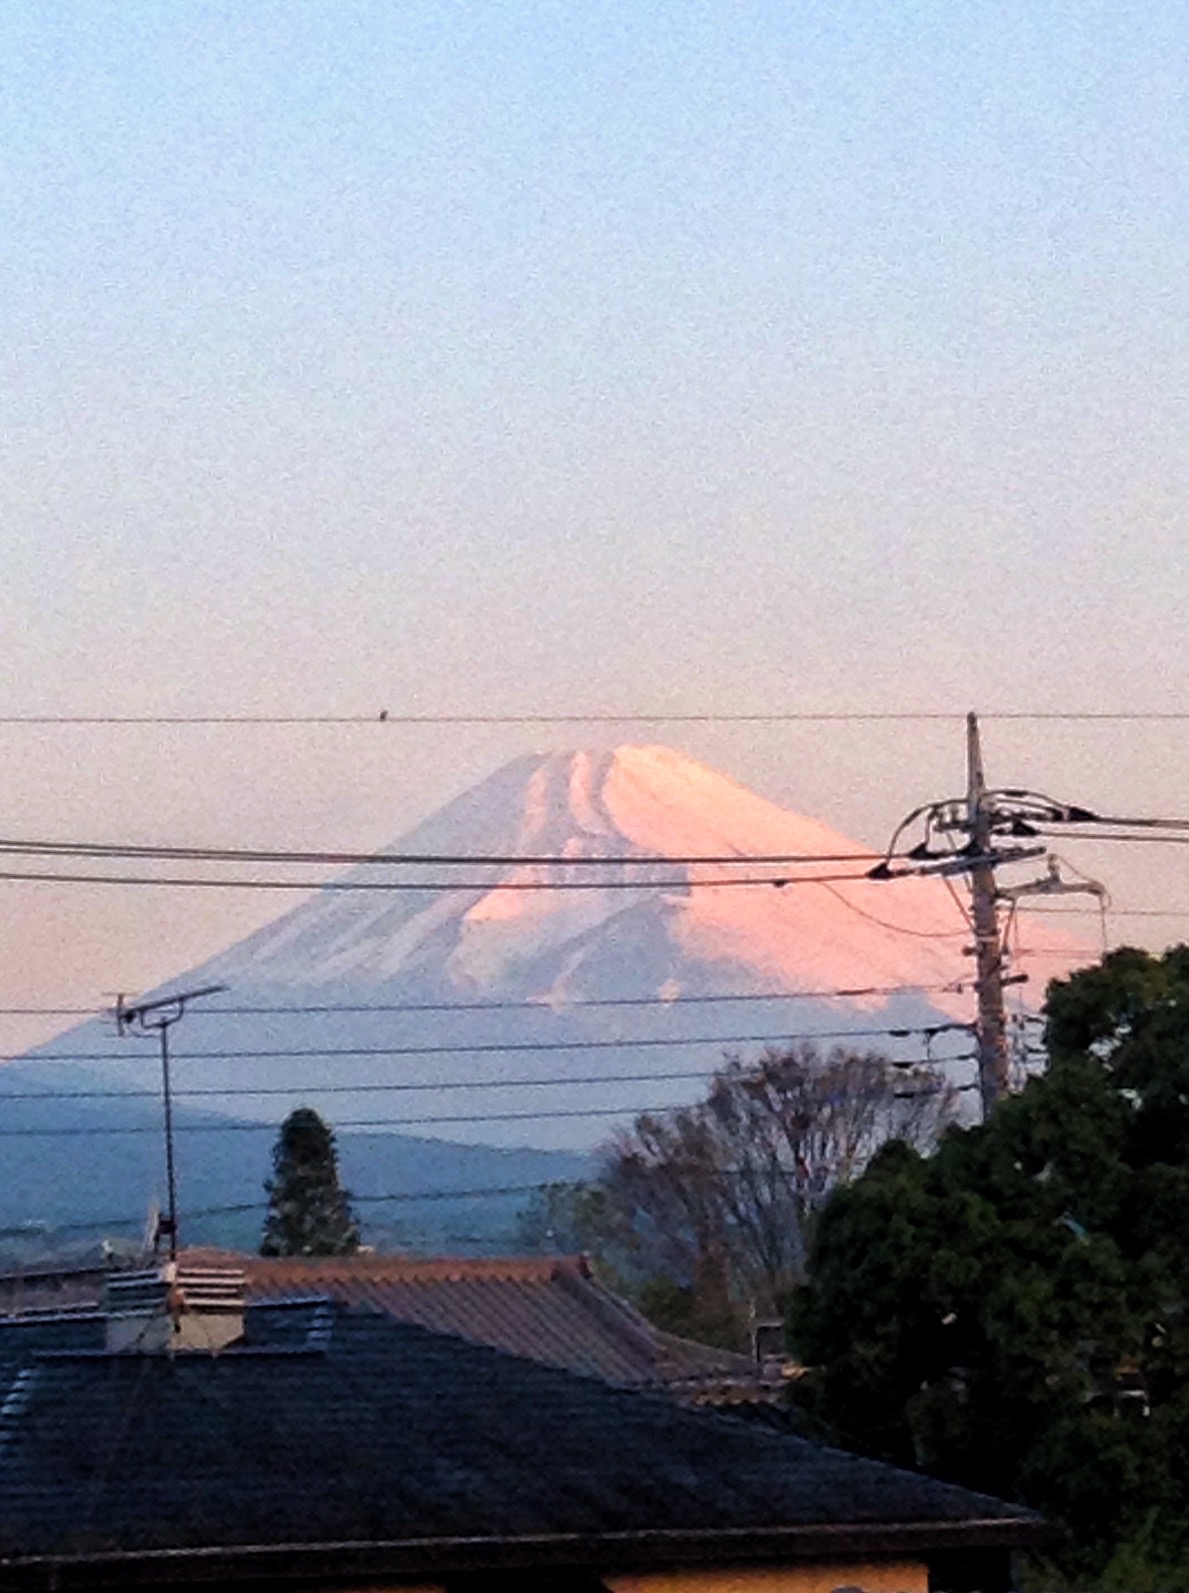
(511,356)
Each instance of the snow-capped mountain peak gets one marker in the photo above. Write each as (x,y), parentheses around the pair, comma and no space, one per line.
(678,924)
(502,1001)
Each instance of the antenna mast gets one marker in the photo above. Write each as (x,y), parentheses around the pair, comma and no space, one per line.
(149,1017)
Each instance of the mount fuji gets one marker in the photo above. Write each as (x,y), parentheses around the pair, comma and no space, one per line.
(641,812)
(464,1003)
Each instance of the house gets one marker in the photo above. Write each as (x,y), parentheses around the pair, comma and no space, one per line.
(551,1309)
(180,1435)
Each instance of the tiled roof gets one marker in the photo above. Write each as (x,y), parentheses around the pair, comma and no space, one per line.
(334,1426)
(25,1336)
(52,1288)
(550,1309)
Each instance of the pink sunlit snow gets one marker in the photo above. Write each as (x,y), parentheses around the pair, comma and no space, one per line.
(636,802)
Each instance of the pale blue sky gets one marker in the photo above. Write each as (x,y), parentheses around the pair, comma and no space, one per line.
(515,356)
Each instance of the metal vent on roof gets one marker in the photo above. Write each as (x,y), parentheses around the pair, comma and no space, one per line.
(172,1307)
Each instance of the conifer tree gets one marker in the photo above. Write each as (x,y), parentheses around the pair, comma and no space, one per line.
(309,1213)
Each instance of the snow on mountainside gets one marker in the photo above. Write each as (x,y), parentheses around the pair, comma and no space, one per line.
(636,802)
(544,1018)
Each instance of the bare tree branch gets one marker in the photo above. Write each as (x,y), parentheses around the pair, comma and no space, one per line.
(720,1195)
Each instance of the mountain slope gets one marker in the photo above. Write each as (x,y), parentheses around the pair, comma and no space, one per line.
(101,1160)
(497,1014)
(634,803)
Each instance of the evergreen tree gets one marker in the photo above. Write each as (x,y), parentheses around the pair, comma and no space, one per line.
(309,1213)
(1012,1312)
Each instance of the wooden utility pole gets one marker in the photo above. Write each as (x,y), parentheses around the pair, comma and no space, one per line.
(997,829)
(991,1025)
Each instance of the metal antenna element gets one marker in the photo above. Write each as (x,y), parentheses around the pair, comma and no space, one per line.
(158,1017)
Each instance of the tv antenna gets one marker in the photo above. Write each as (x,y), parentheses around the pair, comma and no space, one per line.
(158,1017)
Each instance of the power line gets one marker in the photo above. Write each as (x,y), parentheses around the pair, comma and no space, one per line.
(996,826)
(1115,912)
(241,1208)
(237,1126)
(555,1083)
(1086,816)
(483,886)
(542,1006)
(325,858)
(897,929)
(1174,838)
(319,1052)
(412,719)
(384,717)
(491,1192)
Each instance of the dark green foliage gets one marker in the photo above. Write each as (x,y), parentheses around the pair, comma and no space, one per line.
(309,1214)
(1012,1312)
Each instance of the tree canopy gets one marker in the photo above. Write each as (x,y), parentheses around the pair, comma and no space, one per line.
(703,1210)
(1012,1311)
(309,1213)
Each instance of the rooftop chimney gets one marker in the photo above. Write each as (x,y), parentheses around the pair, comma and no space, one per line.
(171,1307)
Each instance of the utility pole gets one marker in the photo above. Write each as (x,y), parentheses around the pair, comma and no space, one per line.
(991,1026)
(158,1017)
(973,837)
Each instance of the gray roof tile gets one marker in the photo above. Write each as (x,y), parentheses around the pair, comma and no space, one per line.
(392,1432)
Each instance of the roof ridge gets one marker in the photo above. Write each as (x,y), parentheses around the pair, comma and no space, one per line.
(734,1359)
(403,1269)
(398,1267)
(618,1314)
